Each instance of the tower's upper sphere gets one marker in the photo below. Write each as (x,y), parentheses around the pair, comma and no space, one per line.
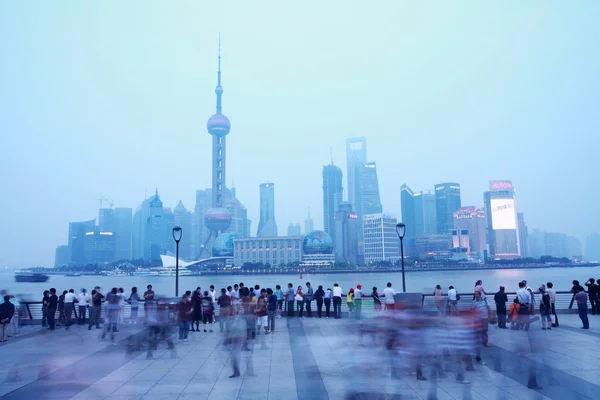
(217,219)
(218,125)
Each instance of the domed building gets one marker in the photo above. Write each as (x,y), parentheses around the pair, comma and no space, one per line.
(223,246)
(318,249)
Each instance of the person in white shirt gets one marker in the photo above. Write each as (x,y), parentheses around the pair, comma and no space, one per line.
(337,301)
(358,295)
(70,299)
(552,294)
(524,298)
(213,296)
(121,294)
(389,293)
(452,300)
(83,301)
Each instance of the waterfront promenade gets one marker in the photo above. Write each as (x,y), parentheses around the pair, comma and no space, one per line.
(304,358)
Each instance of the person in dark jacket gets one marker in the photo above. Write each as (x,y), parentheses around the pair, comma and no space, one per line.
(7,310)
(52,303)
(501,298)
(319,295)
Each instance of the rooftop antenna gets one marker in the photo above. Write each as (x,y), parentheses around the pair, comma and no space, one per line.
(331,154)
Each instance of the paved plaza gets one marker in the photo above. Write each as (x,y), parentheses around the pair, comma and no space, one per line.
(303,359)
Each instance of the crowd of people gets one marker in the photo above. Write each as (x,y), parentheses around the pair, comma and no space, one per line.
(245,313)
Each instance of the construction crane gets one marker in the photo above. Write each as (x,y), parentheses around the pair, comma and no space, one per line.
(102,199)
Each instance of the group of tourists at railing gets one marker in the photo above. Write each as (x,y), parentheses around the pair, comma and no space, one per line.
(199,307)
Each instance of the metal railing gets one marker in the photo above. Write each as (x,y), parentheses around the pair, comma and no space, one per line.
(30,312)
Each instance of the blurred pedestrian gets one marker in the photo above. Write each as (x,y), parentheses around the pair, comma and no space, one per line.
(319,295)
(545,309)
(70,300)
(83,301)
(271,309)
(7,310)
(290,297)
(482,309)
(389,293)
(52,304)
(279,293)
(552,295)
(308,298)
(350,302)
(581,298)
(299,301)
(376,299)
(224,302)
(61,308)
(358,295)
(96,309)
(45,308)
(197,305)
(208,309)
(437,296)
(134,302)
(500,298)
(327,301)
(592,294)
(112,315)
(184,314)
(337,301)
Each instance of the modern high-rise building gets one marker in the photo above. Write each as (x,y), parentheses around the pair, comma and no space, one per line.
(184,220)
(592,247)
(536,243)
(124,217)
(407,208)
(523,235)
(149,231)
(240,224)
(472,220)
(218,218)
(169,218)
(107,220)
(381,240)
(61,256)
(425,214)
(447,201)
(501,221)
(267,226)
(575,250)
(100,247)
(556,245)
(332,196)
(367,198)
(76,241)
(309,224)
(294,230)
(356,156)
(346,227)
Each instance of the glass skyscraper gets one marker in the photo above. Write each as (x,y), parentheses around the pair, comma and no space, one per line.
(407,206)
(502,221)
(332,196)
(447,201)
(267,226)
(356,157)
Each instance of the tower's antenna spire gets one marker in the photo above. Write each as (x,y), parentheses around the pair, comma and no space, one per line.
(219,88)
(331,154)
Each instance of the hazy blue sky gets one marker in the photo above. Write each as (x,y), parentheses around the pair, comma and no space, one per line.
(112,97)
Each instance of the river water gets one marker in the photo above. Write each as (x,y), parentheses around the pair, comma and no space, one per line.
(423,282)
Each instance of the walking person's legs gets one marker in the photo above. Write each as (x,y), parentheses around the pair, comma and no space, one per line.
(327,307)
(319,307)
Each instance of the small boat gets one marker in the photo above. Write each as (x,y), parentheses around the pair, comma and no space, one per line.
(72,274)
(30,277)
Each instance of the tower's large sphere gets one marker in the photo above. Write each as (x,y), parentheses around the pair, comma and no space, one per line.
(218,125)
(317,242)
(223,246)
(217,219)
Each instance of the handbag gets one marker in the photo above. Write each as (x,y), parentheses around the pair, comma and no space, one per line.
(299,298)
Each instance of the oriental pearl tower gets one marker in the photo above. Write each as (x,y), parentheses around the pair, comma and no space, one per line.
(217,219)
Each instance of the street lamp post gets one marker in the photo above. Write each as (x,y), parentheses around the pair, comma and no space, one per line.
(401,231)
(177,232)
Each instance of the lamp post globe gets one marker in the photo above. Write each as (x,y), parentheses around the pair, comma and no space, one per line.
(177,233)
(401,231)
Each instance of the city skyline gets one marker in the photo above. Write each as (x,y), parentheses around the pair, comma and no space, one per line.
(128,113)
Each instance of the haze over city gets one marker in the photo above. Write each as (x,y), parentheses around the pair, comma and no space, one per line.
(112,99)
